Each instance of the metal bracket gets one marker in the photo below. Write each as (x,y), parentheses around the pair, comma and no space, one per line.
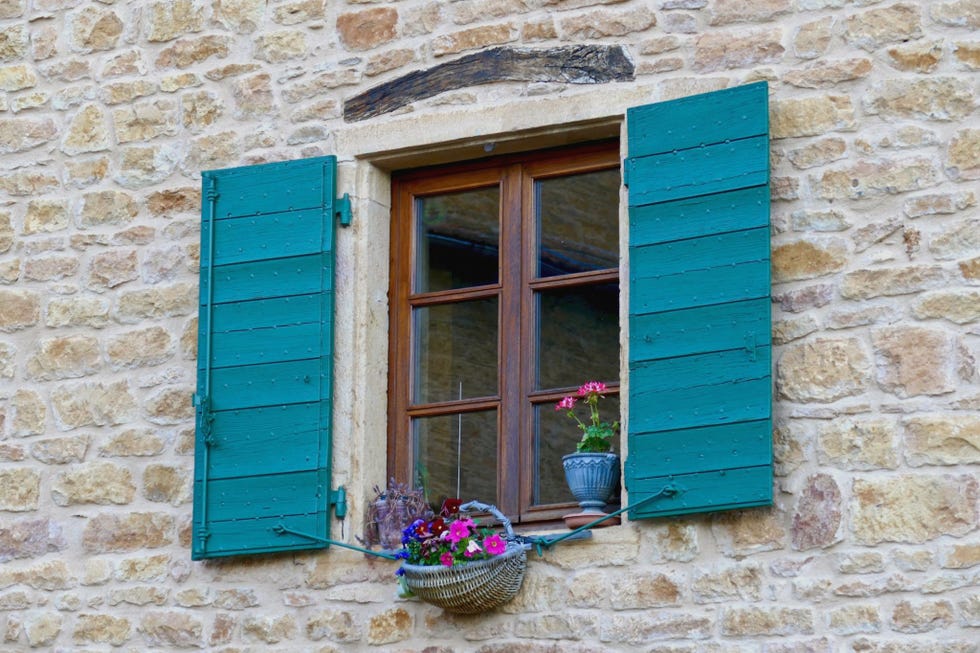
(342,210)
(338,499)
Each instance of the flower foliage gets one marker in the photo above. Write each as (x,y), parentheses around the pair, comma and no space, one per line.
(448,539)
(596,435)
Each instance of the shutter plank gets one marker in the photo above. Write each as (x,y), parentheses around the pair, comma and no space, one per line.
(278,235)
(284,438)
(710,491)
(266,313)
(686,451)
(691,217)
(699,330)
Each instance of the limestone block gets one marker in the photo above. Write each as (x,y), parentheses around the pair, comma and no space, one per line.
(421,20)
(254,96)
(163,301)
(17,77)
(335,625)
(50,268)
(127,532)
(876,27)
(320,110)
(190,51)
(60,451)
(793,328)
(474,38)
(737,49)
(214,151)
(64,358)
(102,629)
(299,11)
(141,596)
(173,201)
(14,42)
(100,483)
(677,22)
(7,362)
(636,629)
(929,98)
(129,62)
(960,556)
(42,629)
(30,538)
(44,216)
(963,155)
(828,73)
(967,54)
(19,309)
(726,12)
(958,306)
(807,258)
(555,626)
(142,166)
(106,207)
(320,84)
(916,57)
(27,413)
(823,370)
(788,447)
(241,16)
(143,121)
(28,182)
(20,489)
(165,20)
(363,30)
(77,310)
(723,584)
(812,39)
(876,178)
(912,560)
(914,361)
(816,154)
(178,81)
(818,517)
(92,404)
(20,134)
(167,484)
(811,116)
(111,269)
(740,533)
(194,598)
(171,405)
(86,172)
(12,8)
(139,348)
(235,599)
(543,30)
(200,110)
(970,610)
(7,234)
(854,619)
(942,439)
(864,562)
(644,590)
(390,626)
(806,298)
(912,508)
(858,444)
(277,47)
(865,284)
(956,13)
(921,616)
(93,29)
(753,622)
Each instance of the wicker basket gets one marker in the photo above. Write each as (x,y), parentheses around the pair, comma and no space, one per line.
(472,587)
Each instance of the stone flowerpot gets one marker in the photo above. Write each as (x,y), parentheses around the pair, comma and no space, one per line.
(592,478)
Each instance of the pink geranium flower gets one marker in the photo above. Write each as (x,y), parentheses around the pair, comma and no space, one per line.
(458,530)
(446,559)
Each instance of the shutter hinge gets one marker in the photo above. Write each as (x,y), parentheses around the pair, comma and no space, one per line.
(206,417)
(338,499)
(341,209)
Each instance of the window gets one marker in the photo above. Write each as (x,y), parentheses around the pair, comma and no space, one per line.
(504,297)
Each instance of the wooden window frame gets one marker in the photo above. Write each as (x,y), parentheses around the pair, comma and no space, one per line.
(516,397)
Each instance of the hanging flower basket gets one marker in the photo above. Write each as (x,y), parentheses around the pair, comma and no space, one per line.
(473,586)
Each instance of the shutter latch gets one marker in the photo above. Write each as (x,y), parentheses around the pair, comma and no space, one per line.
(203,405)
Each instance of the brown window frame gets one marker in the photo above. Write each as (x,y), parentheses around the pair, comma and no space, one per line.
(516,396)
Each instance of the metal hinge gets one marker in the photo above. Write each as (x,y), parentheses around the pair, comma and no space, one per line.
(341,209)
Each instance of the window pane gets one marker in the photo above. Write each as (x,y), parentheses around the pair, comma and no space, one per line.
(578,223)
(458,239)
(578,335)
(456,456)
(557,436)
(456,351)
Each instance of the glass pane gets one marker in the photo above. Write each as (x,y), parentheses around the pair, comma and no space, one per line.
(578,223)
(459,236)
(456,456)
(455,351)
(578,335)
(557,436)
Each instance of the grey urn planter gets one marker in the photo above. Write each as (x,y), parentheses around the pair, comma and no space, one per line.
(592,478)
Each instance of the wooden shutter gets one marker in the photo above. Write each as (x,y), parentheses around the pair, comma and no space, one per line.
(265,340)
(699,305)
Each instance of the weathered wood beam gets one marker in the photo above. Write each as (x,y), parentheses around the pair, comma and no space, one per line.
(573,64)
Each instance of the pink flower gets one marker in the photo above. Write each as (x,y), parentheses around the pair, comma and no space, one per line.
(592,386)
(566,403)
(495,545)
(446,559)
(472,549)
(457,531)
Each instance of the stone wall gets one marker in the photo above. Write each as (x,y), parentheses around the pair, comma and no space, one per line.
(110,110)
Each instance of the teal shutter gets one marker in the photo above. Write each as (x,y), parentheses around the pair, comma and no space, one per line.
(265,341)
(700,387)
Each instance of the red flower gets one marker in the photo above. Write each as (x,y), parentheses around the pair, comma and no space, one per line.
(450,507)
(437,526)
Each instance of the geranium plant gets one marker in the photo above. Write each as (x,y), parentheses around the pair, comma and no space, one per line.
(596,435)
(448,539)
